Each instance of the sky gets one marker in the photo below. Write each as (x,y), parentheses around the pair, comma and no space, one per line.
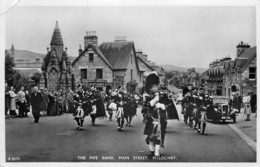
(177,35)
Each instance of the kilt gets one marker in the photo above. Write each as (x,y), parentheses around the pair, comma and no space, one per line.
(120,112)
(94,109)
(148,129)
(156,130)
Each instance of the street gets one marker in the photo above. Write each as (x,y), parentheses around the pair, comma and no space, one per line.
(55,139)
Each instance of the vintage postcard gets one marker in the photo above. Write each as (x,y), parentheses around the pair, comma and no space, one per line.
(106,83)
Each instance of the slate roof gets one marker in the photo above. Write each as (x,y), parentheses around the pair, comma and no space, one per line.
(118,53)
(144,62)
(56,37)
(248,55)
(61,61)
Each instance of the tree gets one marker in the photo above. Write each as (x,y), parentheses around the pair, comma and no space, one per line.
(36,78)
(13,77)
(21,80)
(9,71)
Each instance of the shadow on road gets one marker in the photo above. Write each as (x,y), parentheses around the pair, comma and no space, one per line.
(219,122)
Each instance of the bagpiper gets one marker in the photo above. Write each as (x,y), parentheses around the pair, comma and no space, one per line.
(133,108)
(79,116)
(155,114)
(120,113)
(108,101)
(98,108)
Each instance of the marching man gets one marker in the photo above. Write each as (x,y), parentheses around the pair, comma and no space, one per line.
(79,116)
(153,128)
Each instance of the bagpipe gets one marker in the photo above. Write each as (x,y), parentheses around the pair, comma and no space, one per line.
(170,107)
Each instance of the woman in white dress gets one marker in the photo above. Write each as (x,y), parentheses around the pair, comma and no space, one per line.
(12,101)
(247,106)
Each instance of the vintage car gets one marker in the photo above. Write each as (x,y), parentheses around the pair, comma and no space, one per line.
(220,109)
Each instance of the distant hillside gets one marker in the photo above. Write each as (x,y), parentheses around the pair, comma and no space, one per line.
(27,55)
(181,69)
(31,56)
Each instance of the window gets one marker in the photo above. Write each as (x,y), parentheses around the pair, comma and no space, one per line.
(91,57)
(99,73)
(84,73)
(252,72)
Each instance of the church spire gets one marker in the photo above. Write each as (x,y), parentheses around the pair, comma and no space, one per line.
(12,50)
(56,37)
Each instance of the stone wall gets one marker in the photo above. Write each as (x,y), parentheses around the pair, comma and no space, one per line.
(53,79)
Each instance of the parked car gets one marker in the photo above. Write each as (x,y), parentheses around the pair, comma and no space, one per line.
(220,109)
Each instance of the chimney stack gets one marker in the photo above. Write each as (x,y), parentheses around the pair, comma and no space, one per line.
(90,38)
(241,47)
(80,50)
(120,39)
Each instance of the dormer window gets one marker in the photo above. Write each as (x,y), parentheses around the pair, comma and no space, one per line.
(91,57)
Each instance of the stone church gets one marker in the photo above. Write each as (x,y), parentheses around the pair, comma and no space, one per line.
(56,67)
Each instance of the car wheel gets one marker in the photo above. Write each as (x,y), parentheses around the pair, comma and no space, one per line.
(223,120)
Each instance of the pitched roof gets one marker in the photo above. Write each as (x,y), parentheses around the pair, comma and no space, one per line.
(144,62)
(96,50)
(56,37)
(248,55)
(118,53)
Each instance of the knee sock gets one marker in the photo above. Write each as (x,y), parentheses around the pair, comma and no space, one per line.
(81,122)
(118,122)
(199,124)
(77,120)
(204,127)
(122,123)
(93,118)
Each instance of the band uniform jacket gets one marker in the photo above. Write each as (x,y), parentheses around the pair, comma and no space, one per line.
(153,113)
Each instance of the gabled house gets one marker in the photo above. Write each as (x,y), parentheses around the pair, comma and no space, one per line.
(91,67)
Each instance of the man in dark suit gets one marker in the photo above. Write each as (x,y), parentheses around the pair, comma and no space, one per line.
(237,102)
(36,101)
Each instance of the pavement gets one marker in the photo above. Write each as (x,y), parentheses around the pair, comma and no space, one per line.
(55,139)
(246,129)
